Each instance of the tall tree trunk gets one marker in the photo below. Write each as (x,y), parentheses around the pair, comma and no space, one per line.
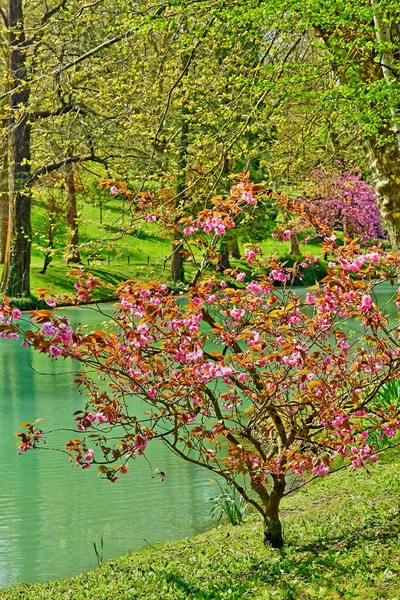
(16,276)
(385,166)
(384,160)
(273,534)
(4,201)
(72,254)
(177,258)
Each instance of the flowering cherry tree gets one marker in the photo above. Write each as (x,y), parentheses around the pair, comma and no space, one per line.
(342,200)
(254,383)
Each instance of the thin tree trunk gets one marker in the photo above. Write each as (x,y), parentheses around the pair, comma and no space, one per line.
(16,273)
(273,534)
(4,202)
(294,245)
(177,258)
(72,254)
(234,247)
(224,253)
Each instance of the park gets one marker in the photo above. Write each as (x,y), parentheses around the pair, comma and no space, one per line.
(199,261)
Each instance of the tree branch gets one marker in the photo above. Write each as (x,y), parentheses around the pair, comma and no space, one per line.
(61,163)
(4,17)
(45,114)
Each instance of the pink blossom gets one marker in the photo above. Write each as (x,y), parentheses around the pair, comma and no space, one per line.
(250,254)
(50,302)
(49,329)
(237,313)
(241,276)
(142,328)
(339,420)
(113,190)
(16,313)
(287,234)
(321,470)
(366,302)
(247,197)
(140,443)
(254,287)
(89,455)
(101,417)
(54,351)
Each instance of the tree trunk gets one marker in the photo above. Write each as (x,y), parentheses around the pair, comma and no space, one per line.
(177,259)
(224,252)
(177,268)
(383,159)
(16,274)
(234,247)
(72,254)
(4,202)
(273,534)
(385,166)
(294,245)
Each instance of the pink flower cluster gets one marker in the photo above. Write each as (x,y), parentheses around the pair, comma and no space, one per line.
(89,418)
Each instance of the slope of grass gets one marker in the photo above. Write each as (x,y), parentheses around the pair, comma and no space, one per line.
(342,541)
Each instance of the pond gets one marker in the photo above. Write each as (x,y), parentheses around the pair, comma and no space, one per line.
(51,513)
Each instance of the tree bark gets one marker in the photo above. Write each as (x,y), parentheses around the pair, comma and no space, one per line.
(273,534)
(385,166)
(294,245)
(16,273)
(177,258)
(4,202)
(72,254)
(383,159)
(224,253)
(234,247)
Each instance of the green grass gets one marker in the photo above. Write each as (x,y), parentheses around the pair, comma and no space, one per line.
(342,541)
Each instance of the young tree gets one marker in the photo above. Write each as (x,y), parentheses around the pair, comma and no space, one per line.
(243,381)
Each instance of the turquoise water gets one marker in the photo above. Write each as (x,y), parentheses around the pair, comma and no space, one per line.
(50,512)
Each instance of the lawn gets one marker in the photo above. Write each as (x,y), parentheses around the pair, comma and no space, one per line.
(342,541)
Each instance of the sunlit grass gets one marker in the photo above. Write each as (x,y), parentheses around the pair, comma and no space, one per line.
(342,541)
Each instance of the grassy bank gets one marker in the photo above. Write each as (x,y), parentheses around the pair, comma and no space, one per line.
(114,252)
(342,541)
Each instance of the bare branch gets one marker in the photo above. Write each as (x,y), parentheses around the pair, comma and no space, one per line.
(61,163)
(45,114)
